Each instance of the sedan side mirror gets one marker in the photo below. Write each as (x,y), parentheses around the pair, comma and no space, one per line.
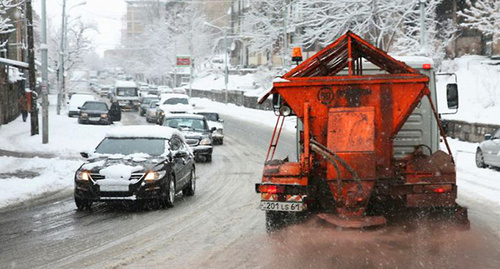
(79,107)
(452,95)
(213,129)
(221,120)
(84,154)
(487,136)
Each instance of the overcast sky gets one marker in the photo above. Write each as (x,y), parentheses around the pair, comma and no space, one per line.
(107,14)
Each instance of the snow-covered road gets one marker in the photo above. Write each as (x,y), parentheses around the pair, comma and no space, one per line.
(222,227)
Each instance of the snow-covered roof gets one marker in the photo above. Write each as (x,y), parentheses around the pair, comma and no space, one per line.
(184,115)
(15,63)
(143,131)
(165,96)
(125,84)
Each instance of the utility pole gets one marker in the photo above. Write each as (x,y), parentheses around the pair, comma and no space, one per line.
(61,61)
(422,26)
(45,101)
(31,71)
(285,30)
(226,68)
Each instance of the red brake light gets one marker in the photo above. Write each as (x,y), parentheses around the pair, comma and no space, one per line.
(439,190)
(426,66)
(273,189)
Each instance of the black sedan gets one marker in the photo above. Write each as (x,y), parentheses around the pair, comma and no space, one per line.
(136,163)
(197,132)
(94,112)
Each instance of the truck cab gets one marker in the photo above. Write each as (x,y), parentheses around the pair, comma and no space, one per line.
(126,93)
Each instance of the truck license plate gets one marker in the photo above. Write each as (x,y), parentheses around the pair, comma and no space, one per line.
(281,206)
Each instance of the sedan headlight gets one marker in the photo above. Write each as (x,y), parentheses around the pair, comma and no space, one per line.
(82,175)
(104,115)
(154,175)
(84,115)
(220,131)
(206,141)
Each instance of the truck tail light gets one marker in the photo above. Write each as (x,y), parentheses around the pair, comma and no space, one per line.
(271,189)
(438,188)
(426,66)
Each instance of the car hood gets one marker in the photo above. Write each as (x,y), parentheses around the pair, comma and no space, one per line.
(120,166)
(195,134)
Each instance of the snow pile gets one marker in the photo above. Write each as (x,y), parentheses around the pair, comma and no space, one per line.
(50,175)
(119,172)
(66,136)
(478,86)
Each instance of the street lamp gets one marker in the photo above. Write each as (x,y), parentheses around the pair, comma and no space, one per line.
(226,71)
(60,78)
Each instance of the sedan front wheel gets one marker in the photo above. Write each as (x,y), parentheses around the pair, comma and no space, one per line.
(169,200)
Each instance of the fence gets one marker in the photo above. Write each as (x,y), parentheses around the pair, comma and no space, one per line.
(9,94)
(465,131)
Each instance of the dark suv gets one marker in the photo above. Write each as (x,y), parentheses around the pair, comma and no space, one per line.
(196,131)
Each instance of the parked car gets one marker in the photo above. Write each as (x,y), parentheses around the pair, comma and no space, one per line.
(145,101)
(214,121)
(136,163)
(196,131)
(488,151)
(77,100)
(173,103)
(151,111)
(94,112)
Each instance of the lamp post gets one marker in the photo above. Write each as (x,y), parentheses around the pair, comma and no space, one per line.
(45,101)
(60,77)
(226,70)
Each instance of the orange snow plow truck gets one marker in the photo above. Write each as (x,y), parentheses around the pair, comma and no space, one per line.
(368,140)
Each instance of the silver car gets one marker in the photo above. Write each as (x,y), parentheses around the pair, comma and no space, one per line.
(488,151)
(151,111)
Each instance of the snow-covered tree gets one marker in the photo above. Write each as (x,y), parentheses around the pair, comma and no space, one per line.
(438,34)
(6,26)
(264,24)
(178,30)
(483,15)
(78,45)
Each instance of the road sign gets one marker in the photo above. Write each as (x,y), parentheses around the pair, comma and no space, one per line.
(183,61)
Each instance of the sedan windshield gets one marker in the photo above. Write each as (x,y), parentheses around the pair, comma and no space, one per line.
(174,101)
(148,100)
(186,123)
(127,146)
(95,106)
